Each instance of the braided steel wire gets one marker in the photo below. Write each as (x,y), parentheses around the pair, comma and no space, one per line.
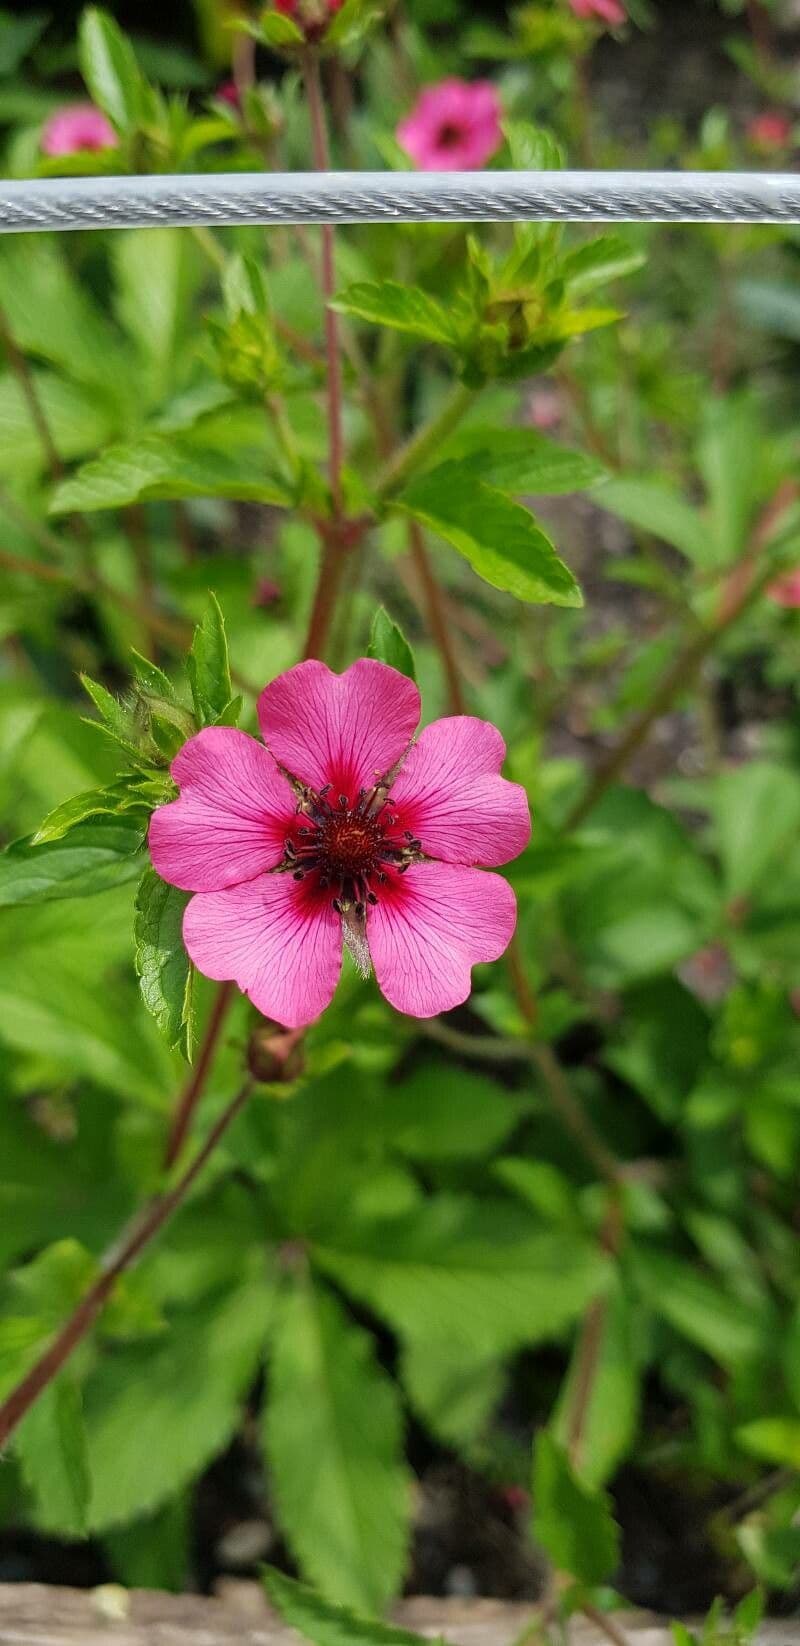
(397,197)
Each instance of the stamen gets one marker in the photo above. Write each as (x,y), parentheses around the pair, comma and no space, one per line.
(371,898)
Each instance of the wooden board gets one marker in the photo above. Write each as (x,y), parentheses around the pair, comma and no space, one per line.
(33,1615)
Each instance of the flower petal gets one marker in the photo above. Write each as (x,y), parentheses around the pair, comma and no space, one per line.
(452,798)
(231,819)
(341,729)
(431,926)
(274,937)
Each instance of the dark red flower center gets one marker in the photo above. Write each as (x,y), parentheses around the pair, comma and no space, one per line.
(349,849)
(450,135)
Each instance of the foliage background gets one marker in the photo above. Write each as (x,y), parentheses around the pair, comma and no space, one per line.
(429,1245)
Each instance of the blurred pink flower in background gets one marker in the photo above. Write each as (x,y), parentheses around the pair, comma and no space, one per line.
(785,591)
(296,8)
(228,92)
(770,131)
(81,126)
(453,126)
(544,408)
(610,12)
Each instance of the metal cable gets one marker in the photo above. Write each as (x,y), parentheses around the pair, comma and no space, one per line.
(392,197)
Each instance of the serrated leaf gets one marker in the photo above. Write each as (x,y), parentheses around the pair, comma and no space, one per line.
(91,858)
(113,713)
(109,67)
(480,1270)
(157,1412)
(326,1624)
(500,539)
(575,1526)
(160,467)
(453,1392)
(208,667)
(333,1435)
(610,257)
(403,308)
(524,462)
(389,645)
(162,964)
(94,803)
(51,1446)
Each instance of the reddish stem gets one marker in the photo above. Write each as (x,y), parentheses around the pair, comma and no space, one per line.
(120,1257)
(437,618)
(193,1089)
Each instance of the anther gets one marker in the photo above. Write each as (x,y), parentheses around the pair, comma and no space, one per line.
(360,910)
(336,905)
(343,802)
(299,874)
(326,790)
(290,849)
(371,898)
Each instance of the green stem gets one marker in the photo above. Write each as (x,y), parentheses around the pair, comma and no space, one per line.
(426,442)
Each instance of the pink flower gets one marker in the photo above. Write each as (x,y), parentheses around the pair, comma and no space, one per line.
(80,127)
(228,92)
(453,126)
(545,409)
(770,131)
(610,12)
(343,829)
(312,16)
(785,591)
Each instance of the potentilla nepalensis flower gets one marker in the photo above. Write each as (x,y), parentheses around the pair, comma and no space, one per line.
(785,591)
(343,829)
(80,127)
(454,126)
(610,12)
(770,131)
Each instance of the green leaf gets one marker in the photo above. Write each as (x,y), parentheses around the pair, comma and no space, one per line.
(333,1435)
(757,815)
(607,258)
(533,148)
(325,1624)
(483,1271)
(441,1112)
(93,803)
(18,35)
(156,274)
(112,74)
(389,645)
(158,466)
(575,1526)
(162,964)
(90,859)
(403,308)
(208,666)
(612,1408)
(522,461)
(275,29)
(51,314)
(729,1329)
(774,1439)
(453,1392)
(352,23)
(500,539)
(653,507)
(51,1446)
(158,1412)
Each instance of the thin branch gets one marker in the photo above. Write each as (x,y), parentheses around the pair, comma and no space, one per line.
(486,1049)
(121,1256)
(193,1090)
(742,586)
(21,369)
(591,1342)
(437,617)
